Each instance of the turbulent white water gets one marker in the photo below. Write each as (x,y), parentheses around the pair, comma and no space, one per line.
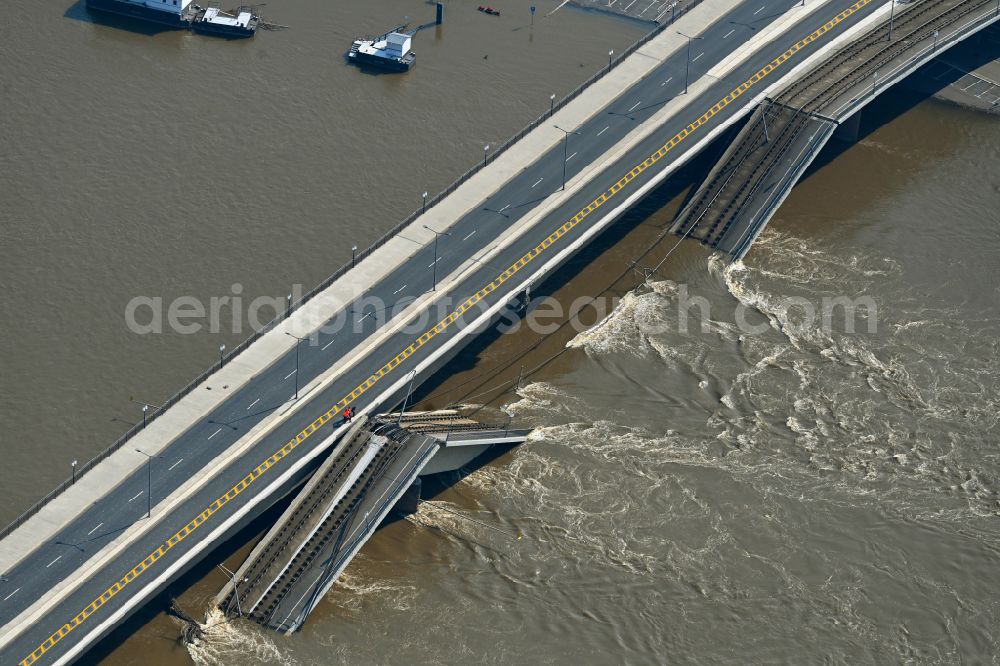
(878,405)
(222,638)
(824,487)
(736,481)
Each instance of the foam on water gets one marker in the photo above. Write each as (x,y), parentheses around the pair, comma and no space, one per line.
(354,588)
(859,408)
(225,641)
(711,492)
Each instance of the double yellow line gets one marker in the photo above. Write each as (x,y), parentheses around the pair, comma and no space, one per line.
(424,339)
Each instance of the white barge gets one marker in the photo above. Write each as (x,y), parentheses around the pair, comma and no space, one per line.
(390,51)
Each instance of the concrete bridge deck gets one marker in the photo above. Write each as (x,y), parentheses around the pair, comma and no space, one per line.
(243,441)
(288,572)
(785,134)
(370,472)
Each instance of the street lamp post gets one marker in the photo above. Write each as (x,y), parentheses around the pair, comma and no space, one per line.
(297,341)
(149,482)
(146,403)
(434,266)
(566,134)
(486,153)
(236,590)
(354,255)
(552,104)
(687,68)
(892,10)
(72,466)
(145,408)
(222,351)
(610,53)
(423,207)
(936,36)
(406,397)
(288,303)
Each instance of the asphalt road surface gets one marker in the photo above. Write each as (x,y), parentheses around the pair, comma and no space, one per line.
(58,559)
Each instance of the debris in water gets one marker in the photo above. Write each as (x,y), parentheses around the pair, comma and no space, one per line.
(192,630)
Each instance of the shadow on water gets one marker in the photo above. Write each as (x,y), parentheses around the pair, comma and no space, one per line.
(691,174)
(880,112)
(78,12)
(436,484)
(893,103)
(910,93)
(371,70)
(433,486)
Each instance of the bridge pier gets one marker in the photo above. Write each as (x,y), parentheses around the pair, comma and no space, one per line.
(409,502)
(850,129)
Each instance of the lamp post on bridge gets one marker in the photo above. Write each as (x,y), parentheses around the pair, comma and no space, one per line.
(687,68)
(236,590)
(892,10)
(434,266)
(149,482)
(409,389)
(222,351)
(610,53)
(566,134)
(486,153)
(552,104)
(423,206)
(297,341)
(145,407)
(354,255)
(935,33)
(72,466)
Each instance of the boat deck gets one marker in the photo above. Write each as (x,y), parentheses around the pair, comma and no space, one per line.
(244,19)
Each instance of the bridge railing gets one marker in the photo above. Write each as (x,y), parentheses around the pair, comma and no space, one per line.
(340,272)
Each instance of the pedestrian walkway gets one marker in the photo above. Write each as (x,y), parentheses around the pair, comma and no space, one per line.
(657,11)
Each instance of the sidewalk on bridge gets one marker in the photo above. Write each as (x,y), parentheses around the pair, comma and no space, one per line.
(260,355)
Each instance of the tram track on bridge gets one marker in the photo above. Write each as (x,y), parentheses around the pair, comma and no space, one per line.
(763,145)
(560,232)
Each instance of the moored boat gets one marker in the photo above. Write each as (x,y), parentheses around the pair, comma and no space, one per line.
(390,51)
(183,15)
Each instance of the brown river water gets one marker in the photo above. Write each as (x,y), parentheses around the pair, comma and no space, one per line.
(750,485)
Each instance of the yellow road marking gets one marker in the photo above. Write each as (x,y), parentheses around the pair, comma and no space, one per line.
(427,336)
